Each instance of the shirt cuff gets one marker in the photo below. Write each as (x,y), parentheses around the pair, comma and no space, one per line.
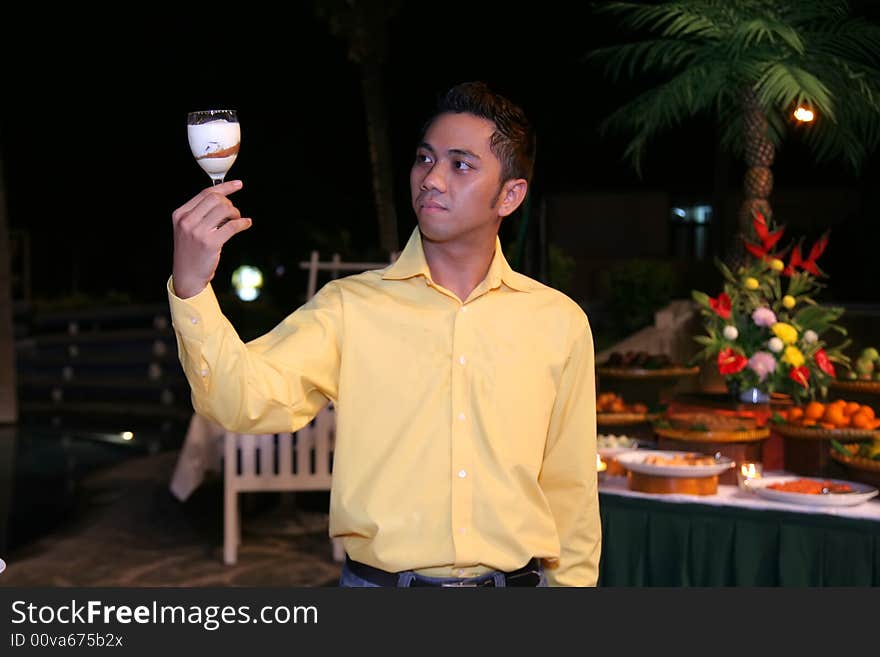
(197,316)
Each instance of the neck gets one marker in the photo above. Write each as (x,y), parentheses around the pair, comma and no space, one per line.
(459,267)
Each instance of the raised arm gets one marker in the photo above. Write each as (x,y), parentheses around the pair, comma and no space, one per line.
(275,383)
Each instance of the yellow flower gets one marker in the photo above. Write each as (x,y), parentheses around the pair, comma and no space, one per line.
(777,265)
(793,356)
(785,332)
(788,301)
(751,283)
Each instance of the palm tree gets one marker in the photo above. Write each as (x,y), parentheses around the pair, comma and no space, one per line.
(749,64)
(8,399)
(363,25)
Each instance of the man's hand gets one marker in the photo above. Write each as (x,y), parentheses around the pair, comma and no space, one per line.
(202,226)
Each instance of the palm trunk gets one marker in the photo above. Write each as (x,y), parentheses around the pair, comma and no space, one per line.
(8,397)
(758,153)
(380,152)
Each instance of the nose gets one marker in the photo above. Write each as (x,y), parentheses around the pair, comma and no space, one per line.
(433,180)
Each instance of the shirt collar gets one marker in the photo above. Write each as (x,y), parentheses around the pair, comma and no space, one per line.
(411,262)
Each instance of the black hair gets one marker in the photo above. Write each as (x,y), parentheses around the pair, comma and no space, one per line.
(513,141)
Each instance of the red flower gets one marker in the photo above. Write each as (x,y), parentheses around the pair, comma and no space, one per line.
(824,364)
(809,264)
(721,305)
(768,239)
(731,362)
(800,375)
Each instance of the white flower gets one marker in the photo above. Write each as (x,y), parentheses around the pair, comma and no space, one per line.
(730,332)
(810,337)
(775,345)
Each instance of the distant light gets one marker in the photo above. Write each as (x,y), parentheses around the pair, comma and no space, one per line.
(248,293)
(127,435)
(280,271)
(247,281)
(680,212)
(804,115)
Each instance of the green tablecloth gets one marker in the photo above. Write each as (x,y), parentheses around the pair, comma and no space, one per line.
(648,542)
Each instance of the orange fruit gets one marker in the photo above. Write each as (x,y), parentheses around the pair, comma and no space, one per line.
(814,410)
(834,415)
(867,410)
(861,421)
(795,414)
(809,422)
(851,407)
(828,425)
(875,424)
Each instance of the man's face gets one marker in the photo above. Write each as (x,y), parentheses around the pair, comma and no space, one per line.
(455,180)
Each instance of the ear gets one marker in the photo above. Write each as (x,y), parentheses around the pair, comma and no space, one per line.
(513,193)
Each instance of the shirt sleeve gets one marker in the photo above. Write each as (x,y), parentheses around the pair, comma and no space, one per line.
(275,383)
(568,476)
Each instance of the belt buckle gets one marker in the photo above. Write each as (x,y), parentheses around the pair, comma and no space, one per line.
(459,584)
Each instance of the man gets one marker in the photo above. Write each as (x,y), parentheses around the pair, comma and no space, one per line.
(465,392)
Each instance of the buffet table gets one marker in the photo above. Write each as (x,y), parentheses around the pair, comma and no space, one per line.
(734,538)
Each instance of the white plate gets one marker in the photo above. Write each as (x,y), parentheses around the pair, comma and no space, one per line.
(2,565)
(635,461)
(860,492)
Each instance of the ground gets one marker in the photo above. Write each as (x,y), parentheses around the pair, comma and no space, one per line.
(134,532)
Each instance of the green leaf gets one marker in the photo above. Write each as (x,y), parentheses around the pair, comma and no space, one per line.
(701,298)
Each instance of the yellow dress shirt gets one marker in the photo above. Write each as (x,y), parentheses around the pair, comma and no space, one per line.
(465,431)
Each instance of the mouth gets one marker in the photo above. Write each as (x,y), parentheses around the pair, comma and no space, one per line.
(431,206)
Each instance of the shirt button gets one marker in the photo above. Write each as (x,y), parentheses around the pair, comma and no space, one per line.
(461,359)
(462,474)
(194,320)
(461,416)
(461,530)
(204,372)
(460,572)
(464,309)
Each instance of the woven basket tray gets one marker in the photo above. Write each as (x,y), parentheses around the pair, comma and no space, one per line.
(810,433)
(637,373)
(856,462)
(608,419)
(713,436)
(857,386)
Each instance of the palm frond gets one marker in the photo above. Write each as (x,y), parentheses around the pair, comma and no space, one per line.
(691,92)
(783,84)
(756,31)
(655,55)
(671,19)
(855,40)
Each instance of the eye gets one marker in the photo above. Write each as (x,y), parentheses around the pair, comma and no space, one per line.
(461,165)
(423,158)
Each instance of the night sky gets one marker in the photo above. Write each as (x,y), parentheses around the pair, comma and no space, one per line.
(94,139)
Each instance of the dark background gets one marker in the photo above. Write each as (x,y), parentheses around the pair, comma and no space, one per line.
(96,158)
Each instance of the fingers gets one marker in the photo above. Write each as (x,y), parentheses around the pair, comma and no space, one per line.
(211,210)
(223,189)
(217,216)
(233,227)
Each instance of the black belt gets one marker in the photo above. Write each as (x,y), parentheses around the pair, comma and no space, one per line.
(528,575)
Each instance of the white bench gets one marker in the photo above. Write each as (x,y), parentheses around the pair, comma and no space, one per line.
(283,462)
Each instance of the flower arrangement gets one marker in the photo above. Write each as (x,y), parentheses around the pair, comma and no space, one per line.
(763,336)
